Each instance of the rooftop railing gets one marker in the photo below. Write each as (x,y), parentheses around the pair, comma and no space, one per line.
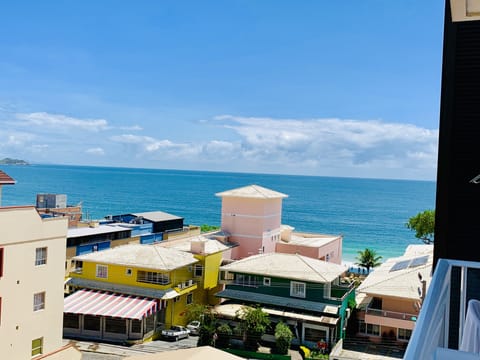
(439,331)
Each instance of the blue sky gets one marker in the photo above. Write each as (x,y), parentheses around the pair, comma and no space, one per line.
(329,88)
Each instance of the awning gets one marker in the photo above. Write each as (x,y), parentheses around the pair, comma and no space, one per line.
(101,303)
(284,302)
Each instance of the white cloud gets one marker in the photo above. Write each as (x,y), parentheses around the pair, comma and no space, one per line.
(95,151)
(58,121)
(131,128)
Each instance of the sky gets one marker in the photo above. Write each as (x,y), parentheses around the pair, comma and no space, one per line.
(312,87)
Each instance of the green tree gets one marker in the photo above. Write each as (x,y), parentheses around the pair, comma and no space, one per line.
(195,312)
(283,338)
(207,228)
(254,322)
(207,329)
(224,334)
(368,259)
(424,225)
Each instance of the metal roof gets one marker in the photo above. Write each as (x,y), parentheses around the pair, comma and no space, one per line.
(156,216)
(122,289)
(96,230)
(286,302)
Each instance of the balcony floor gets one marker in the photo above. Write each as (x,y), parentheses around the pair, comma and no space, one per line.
(362,348)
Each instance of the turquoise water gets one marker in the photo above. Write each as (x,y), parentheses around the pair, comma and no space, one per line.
(367,212)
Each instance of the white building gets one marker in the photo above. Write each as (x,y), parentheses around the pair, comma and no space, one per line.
(32,260)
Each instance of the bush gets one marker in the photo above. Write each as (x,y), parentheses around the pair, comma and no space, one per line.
(224,333)
(283,339)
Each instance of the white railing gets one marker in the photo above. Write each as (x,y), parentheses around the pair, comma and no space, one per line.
(431,335)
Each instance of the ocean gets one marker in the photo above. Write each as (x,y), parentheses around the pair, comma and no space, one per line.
(369,213)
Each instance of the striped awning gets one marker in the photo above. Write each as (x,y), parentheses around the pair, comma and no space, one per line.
(101,303)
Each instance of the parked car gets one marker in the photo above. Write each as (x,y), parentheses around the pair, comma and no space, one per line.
(176,332)
(194,327)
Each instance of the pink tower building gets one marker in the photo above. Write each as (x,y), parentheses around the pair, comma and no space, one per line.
(252,215)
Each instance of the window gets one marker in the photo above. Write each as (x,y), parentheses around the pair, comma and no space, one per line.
(115,325)
(71,321)
(39,301)
(128,272)
(404,334)
(37,346)
(247,280)
(297,289)
(198,270)
(136,326)
(91,323)
(152,277)
(369,329)
(40,256)
(266,281)
(189,298)
(1,262)
(102,271)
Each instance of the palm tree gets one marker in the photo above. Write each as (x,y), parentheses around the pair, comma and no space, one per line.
(368,258)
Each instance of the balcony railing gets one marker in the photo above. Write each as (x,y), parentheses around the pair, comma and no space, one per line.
(390,314)
(439,328)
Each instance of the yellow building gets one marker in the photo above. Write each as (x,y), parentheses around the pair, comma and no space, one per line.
(157,280)
(209,253)
(32,256)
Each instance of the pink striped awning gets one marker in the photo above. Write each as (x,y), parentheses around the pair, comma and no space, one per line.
(101,303)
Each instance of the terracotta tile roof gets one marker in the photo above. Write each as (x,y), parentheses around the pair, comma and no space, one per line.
(6,179)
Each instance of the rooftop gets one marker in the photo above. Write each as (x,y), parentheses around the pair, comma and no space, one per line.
(141,256)
(311,240)
(97,230)
(252,192)
(399,277)
(208,246)
(289,266)
(156,216)
(5,179)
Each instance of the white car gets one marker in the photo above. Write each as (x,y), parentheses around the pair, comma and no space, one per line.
(176,332)
(194,327)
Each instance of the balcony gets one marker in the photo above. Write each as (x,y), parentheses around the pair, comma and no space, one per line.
(390,318)
(439,331)
(185,286)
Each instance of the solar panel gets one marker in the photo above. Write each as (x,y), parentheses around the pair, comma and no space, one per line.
(400,265)
(422,260)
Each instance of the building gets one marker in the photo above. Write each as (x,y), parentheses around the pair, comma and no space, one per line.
(440,328)
(135,228)
(5,179)
(390,298)
(208,250)
(252,218)
(164,279)
(318,246)
(159,221)
(55,205)
(308,294)
(252,215)
(32,257)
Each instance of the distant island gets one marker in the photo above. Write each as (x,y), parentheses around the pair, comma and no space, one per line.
(9,161)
